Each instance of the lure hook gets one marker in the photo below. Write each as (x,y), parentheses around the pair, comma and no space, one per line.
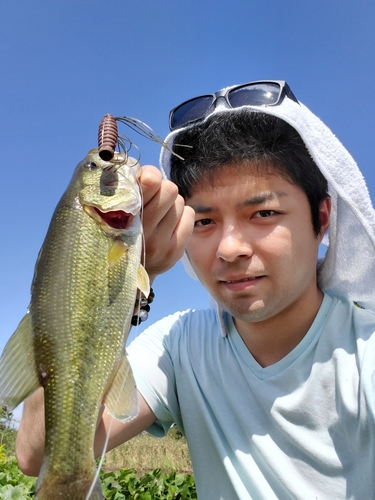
(108,136)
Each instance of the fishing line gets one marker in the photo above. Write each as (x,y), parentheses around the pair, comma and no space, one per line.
(146,131)
(143,259)
(108,139)
(125,145)
(118,163)
(108,431)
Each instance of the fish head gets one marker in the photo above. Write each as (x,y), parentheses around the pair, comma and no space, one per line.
(109,190)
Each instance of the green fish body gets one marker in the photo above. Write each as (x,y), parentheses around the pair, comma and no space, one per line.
(72,341)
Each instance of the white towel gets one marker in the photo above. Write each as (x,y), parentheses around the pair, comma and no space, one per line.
(348,268)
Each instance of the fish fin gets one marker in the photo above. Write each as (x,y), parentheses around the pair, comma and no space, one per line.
(122,399)
(18,375)
(143,281)
(117,250)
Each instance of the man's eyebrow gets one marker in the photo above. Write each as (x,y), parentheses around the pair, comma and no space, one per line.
(257,199)
(260,198)
(203,209)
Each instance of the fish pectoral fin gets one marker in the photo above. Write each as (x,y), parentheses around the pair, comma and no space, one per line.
(122,399)
(143,281)
(117,250)
(18,375)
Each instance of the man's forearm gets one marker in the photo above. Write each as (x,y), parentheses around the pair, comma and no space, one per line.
(31,435)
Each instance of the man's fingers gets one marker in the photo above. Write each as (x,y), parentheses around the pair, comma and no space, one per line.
(150,181)
(161,207)
(167,222)
(183,231)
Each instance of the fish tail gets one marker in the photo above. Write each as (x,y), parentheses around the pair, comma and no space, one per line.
(76,488)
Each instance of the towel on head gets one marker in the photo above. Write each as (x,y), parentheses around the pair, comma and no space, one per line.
(348,268)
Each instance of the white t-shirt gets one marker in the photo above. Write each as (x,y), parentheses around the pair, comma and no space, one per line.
(302,428)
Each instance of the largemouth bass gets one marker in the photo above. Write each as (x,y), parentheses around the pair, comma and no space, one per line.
(72,340)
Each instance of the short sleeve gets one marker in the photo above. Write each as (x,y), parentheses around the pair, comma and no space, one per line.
(152,365)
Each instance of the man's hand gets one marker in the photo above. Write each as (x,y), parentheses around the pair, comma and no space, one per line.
(167,222)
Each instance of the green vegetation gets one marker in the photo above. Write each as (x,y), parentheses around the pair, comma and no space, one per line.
(7,432)
(116,485)
(153,485)
(13,484)
(129,471)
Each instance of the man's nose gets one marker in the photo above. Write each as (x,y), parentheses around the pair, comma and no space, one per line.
(233,244)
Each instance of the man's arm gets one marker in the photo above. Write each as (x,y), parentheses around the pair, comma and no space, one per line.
(30,436)
(121,432)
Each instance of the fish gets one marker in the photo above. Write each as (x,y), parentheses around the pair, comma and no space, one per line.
(72,339)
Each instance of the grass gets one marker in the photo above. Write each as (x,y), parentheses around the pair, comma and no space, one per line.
(145,468)
(145,453)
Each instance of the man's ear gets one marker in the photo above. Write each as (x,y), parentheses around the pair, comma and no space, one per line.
(324,215)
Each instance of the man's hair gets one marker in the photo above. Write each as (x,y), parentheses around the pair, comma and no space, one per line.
(267,142)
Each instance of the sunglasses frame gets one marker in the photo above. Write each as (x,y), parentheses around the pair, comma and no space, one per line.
(284,91)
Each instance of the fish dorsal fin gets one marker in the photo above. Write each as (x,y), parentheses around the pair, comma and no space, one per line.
(143,281)
(18,375)
(122,399)
(117,250)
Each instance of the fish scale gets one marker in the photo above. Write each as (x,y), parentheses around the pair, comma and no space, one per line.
(79,317)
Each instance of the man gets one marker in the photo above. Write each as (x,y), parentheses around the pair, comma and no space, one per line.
(274,390)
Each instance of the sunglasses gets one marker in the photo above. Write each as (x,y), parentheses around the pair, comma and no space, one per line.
(259,93)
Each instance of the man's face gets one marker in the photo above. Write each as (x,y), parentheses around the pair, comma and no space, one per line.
(253,246)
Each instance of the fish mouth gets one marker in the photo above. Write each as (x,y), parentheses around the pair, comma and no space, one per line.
(117,219)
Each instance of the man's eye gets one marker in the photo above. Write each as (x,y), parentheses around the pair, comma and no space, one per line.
(265,213)
(203,222)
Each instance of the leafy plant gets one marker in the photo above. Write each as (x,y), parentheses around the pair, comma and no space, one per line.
(13,484)
(124,484)
(7,431)
(116,485)
(120,484)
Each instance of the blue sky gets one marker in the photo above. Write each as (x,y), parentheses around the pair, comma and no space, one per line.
(64,64)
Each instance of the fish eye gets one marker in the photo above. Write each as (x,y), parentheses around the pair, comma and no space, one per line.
(90,165)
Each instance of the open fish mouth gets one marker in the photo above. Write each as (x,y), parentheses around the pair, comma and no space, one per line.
(117,219)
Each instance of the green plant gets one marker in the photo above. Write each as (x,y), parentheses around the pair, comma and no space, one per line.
(116,485)
(125,484)
(7,432)
(175,432)
(13,484)
(120,484)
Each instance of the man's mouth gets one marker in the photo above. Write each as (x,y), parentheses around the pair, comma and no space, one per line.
(241,280)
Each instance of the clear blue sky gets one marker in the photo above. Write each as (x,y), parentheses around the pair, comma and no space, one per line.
(66,63)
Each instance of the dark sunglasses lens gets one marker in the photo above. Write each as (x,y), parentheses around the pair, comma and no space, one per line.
(256,94)
(190,111)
